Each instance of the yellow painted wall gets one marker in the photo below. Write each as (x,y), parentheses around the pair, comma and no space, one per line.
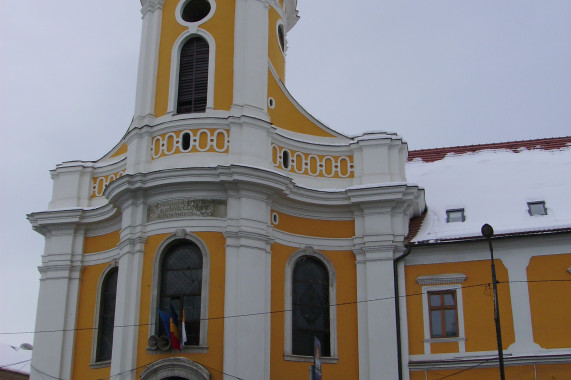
(274,50)
(554,372)
(519,373)
(101,243)
(348,365)
(550,300)
(478,306)
(218,26)
(315,227)
(121,150)
(287,116)
(213,359)
(85,323)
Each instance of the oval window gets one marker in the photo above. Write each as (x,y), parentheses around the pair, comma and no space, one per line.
(196,10)
(281,37)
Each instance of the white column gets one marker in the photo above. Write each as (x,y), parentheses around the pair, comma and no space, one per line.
(251,58)
(58,298)
(152,11)
(247,289)
(521,308)
(127,303)
(378,355)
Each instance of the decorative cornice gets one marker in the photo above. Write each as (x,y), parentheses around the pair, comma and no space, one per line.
(488,361)
(441,279)
(151,6)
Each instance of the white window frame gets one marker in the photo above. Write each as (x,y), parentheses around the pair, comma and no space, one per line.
(193,25)
(95,341)
(290,264)
(175,66)
(438,283)
(181,235)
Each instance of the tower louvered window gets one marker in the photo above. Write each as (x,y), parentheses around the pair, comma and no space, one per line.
(106,316)
(310,306)
(193,76)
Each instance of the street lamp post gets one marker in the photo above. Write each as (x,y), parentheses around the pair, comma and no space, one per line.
(488,232)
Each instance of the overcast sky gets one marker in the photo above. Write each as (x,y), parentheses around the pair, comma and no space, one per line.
(439,73)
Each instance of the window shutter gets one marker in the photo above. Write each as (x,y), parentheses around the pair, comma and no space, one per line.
(193,76)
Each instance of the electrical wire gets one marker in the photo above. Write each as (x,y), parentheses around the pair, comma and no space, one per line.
(465,369)
(277,311)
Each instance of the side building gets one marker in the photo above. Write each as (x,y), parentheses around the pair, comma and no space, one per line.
(521,189)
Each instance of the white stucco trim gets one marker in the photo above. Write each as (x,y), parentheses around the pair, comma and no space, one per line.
(175,64)
(290,264)
(461,338)
(180,235)
(94,343)
(191,25)
(441,279)
(175,366)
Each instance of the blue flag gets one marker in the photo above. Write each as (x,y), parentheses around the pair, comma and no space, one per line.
(165,319)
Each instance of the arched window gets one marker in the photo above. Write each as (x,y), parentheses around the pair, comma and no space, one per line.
(310,306)
(193,76)
(181,290)
(106,319)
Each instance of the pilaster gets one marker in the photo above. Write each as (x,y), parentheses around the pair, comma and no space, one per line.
(521,308)
(59,291)
(131,253)
(247,295)
(251,58)
(152,11)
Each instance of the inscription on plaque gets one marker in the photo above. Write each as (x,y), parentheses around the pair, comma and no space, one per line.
(182,208)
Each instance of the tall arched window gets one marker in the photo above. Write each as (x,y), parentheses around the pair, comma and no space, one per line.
(181,289)
(193,76)
(310,306)
(106,316)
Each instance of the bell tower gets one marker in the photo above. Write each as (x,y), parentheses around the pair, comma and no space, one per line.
(210,57)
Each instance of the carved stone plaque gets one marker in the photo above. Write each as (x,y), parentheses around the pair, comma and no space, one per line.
(182,208)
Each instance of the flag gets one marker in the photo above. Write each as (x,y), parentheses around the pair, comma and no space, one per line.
(183,332)
(164,317)
(174,336)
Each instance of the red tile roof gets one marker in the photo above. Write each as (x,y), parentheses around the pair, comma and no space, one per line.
(436,154)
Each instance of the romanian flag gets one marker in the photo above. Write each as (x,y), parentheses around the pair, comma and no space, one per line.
(164,317)
(174,336)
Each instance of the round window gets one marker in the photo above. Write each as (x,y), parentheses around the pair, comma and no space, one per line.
(195,10)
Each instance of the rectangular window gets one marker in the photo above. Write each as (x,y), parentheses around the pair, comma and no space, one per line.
(536,208)
(443,312)
(456,215)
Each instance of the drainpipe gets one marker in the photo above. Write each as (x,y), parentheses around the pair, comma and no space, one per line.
(397,306)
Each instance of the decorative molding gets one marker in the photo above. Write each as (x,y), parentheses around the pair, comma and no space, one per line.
(441,279)
(151,6)
(198,141)
(485,361)
(100,183)
(314,165)
(175,366)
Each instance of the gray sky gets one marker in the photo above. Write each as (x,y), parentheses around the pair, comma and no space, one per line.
(439,73)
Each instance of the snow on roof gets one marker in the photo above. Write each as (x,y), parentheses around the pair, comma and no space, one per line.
(15,359)
(493,184)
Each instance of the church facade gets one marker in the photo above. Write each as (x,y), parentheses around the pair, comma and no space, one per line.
(229,229)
